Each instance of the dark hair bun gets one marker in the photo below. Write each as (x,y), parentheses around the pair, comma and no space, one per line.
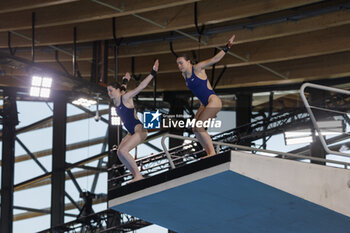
(115,84)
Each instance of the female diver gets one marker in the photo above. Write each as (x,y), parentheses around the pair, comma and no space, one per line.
(124,105)
(197,81)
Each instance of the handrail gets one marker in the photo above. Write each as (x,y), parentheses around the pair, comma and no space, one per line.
(217,137)
(313,119)
(284,154)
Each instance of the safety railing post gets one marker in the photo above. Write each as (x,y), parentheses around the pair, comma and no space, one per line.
(312,117)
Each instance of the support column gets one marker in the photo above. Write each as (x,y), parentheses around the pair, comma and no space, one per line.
(316,148)
(58,160)
(105,61)
(267,119)
(10,120)
(94,63)
(115,136)
(244,114)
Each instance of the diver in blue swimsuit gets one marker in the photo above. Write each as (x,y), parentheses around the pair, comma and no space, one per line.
(128,117)
(124,105)
(197,81)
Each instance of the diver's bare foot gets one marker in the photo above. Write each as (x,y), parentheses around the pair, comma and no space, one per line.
(207,156)
(136,179)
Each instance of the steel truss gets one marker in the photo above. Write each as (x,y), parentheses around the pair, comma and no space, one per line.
(100,222)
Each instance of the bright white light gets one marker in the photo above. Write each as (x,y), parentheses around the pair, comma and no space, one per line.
(41,86)
(115,120)
(266,154)
(47,82)
(76,102)
(150,98)
(84,102)
(298,134)
(343,148)
(301,133)
(88,103)
(113,112)
(330,124)
(36,81)
(35,91)
(45,92)
(326,133)
(305,135)
(189,144)
(330,127)
(290,141)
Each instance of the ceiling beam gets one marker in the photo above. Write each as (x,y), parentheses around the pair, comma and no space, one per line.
(21,5)
(175,18)
(243,35)
(299,70)
(273,31)
(316,43)
(81,11)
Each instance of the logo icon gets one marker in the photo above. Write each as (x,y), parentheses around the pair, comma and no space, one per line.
(151,120)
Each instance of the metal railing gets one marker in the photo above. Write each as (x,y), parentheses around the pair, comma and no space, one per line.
(246,148)
(187,153)
(312,116)
(158,162)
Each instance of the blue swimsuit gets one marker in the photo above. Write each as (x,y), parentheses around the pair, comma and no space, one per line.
(127,116)
(199,88)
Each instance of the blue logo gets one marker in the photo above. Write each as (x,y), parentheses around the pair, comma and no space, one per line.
(151,120)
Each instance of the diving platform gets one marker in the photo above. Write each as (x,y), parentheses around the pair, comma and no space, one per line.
(238,191)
